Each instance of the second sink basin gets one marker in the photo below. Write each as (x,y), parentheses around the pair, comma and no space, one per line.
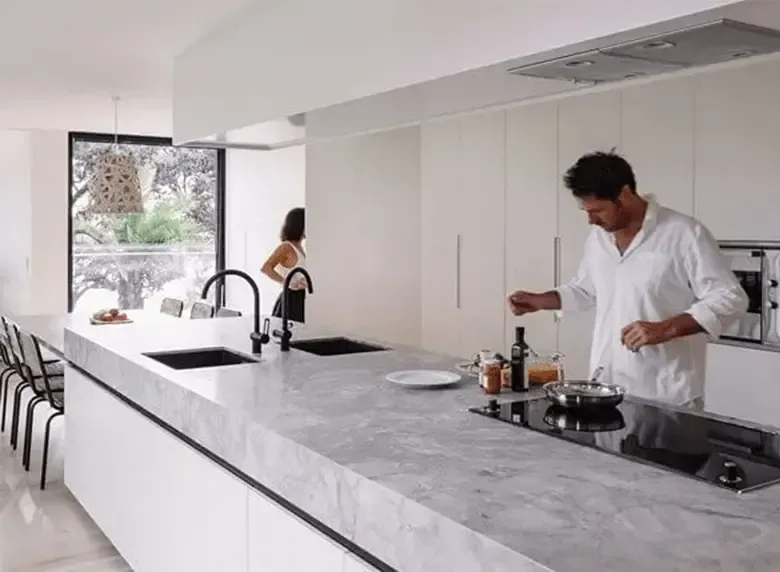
(334,347)
(199,358)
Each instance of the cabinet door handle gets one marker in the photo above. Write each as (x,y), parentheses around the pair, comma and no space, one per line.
(457,271)
(557,315)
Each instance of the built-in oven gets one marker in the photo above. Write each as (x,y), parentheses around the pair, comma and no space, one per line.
(757,267)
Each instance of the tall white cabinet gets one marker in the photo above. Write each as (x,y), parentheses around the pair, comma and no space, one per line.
(532,215)
(463,172)
(736,146)
(657,138)
(586,124)
(702,145)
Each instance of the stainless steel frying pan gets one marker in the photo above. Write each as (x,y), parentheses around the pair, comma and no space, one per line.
(584,394)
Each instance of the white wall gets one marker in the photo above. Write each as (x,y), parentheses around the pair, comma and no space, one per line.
(49,223)
(67,112)
(15,230)
(33,236)
(363,209)
(261,187)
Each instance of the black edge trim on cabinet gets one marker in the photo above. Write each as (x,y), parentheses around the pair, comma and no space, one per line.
(281,501)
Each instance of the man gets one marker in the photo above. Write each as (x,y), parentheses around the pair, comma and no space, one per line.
(658,282)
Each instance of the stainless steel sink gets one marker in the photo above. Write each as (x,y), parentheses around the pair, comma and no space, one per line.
(334,347)
(200,358)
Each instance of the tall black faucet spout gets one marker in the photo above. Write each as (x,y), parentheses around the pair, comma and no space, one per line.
(258,338)
(285,333)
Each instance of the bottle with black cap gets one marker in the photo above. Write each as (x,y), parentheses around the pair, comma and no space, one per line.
(518,354)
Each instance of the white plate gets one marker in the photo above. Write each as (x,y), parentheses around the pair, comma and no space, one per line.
(424,378)
(95,322)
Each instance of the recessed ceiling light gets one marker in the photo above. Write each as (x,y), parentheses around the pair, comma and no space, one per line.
(658,45)
(579,63)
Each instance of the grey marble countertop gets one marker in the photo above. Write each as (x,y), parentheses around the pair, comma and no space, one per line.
(416,480)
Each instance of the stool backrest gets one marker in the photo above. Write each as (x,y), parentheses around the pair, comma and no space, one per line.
(201,310)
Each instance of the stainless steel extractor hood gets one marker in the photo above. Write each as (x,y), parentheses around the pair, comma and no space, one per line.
(711,43)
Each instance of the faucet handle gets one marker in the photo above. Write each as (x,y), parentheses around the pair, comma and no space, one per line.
(282,334)
(266,335)
(261,338)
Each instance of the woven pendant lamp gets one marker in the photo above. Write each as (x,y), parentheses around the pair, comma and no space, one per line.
(115,186)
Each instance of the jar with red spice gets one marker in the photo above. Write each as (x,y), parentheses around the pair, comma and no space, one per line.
(491,374)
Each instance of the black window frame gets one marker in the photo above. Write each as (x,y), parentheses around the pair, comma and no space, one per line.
(90,137)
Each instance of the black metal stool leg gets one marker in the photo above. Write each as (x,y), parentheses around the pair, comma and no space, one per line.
(28,434)
(6,384)
(46,435)
(16,413)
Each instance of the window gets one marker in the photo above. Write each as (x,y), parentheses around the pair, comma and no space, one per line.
(132,261)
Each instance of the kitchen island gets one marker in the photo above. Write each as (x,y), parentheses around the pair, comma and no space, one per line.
(301,462)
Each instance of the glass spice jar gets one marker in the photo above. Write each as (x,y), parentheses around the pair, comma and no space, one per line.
(491,373)
(544,367)
(481,358)
(506,377)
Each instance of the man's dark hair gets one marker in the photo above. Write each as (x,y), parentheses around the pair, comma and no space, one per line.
(294,226)
(600,176)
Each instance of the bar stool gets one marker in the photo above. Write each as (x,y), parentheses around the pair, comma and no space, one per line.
(172,307)
(55,369)
(9,349)
(40,375)
(201,311)
(228,313)
(51,388)
(8,371)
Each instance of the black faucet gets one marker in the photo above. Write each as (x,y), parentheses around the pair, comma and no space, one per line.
(284,334)
(258,338)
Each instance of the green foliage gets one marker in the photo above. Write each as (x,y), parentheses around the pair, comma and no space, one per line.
(163,224)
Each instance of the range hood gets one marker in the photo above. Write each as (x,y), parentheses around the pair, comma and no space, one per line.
(712,43)
(267,136)
(740,33)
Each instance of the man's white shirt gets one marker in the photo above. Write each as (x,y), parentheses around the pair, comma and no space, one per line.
(672,266)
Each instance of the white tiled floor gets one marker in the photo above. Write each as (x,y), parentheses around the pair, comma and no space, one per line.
(46,531)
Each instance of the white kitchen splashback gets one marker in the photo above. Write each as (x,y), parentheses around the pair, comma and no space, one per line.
(286,58)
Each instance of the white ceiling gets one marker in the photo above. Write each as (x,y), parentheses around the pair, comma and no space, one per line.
(78,52)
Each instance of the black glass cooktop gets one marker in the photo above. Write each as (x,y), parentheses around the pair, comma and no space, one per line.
(723,454)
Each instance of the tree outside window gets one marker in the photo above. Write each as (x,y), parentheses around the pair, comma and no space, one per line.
(132,261)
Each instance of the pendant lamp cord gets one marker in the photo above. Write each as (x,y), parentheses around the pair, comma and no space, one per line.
(116,121)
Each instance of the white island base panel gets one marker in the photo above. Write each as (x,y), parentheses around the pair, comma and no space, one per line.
(166,507)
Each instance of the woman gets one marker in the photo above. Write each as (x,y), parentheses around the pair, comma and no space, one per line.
(288,255)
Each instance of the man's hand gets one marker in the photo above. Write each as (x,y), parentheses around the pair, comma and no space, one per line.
(524,303)
(641,333)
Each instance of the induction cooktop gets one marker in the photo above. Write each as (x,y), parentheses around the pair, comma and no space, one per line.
(724,454)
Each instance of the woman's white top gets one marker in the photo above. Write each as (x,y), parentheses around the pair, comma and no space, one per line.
(300,262)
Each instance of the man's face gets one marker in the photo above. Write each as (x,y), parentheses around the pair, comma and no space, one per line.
(609,215)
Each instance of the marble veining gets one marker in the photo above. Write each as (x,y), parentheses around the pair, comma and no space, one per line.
(412,477)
